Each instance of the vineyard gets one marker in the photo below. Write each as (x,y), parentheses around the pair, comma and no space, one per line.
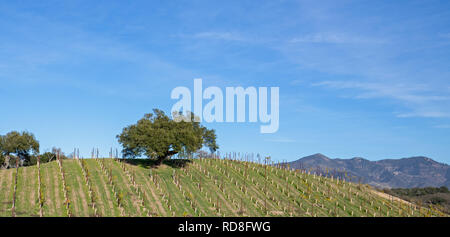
(192,187)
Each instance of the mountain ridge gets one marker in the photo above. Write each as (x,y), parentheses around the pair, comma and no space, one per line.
(408,172)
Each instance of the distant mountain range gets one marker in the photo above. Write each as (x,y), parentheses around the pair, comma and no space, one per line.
(390,173)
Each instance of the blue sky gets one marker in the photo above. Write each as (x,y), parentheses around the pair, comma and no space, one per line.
(357,78)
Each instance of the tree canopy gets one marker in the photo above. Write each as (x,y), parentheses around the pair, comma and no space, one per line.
(158,136)
(22,145)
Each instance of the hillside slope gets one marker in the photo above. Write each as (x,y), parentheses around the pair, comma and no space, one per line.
(199,187)
(389,173)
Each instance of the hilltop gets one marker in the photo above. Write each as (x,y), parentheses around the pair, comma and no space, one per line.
(409,172)
(196,187)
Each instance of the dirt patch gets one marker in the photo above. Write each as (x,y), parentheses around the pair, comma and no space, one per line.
(227,204)
(47,197)
(33,186)
(390,197)
(82,195)
(129,189)
(155,197)
(277,213)
(8,188)
(231,208)
(56,184)
(107,190)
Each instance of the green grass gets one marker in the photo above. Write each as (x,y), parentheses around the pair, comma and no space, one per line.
(6,193)
(199,187)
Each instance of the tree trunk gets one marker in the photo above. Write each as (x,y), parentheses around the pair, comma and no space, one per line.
(168,155)
(160,159)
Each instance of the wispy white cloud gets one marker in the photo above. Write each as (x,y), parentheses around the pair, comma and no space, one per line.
(421,99)
(445,126)
(397,63)
(405,92)
(31,57)
(212,35)
(335,38)
(424,113)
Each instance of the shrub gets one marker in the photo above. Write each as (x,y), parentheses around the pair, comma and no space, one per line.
(2,160)
(437,200)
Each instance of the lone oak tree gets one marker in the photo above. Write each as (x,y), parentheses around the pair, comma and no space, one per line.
(23,145)
(160,137)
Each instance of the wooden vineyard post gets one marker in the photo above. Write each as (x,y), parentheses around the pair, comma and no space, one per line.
(66,190)
(289,208)
(287,184)
(40,192)
(91,191)
(265,185)
(241,211)
(13,209)
(335,209)
(244,189)
(217,205)
(117,193)
(169,203)
(137,189)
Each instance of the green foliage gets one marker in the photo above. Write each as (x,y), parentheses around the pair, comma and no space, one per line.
(437,200)
(415,192)
(48,156)
(437,196)
(32,160)
(2,159)
(44,158)
(158,136)
(24,145)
